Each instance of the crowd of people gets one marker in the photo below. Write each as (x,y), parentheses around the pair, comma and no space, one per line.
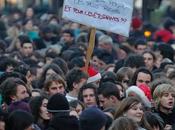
(44,85)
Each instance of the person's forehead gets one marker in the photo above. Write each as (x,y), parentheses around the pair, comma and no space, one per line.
(66,34)
(147,55)
(88,90)
(27,44)
(143,74)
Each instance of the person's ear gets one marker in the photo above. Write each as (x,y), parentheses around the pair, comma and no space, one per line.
(113,98)
(13,97)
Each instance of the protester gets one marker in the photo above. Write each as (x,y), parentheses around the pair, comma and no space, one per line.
(124,123)
(42,54)
(131,107)
(92,118)
(39,111)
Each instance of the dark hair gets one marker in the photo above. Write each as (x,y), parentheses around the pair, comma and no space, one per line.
(166,51)
(76,62)
(35,104)
(6,75)
(134,60)
(2,46)
(19,120)
(51,54)
(3,115)
(23,69)
(140,41)
(153,120)
(7,61)
(75,103)
(108,76)
(24,39)
(9,88)
(104,55)
(69,31)
(108,89)
(61,63)
(74,76)
(52,66)
(76,52)
(119,64)
(168,23)
(126,49)
(67,54)
(143,70)
(88,86)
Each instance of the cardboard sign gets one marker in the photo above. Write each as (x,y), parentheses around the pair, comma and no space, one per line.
(109,15)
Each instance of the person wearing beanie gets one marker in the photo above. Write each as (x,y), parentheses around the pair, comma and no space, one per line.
(20,120)
(64,123)
(19,105)
(92,118)
(58,104)
(61,119)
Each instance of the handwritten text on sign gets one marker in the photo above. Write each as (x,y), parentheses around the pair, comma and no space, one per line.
(109,15)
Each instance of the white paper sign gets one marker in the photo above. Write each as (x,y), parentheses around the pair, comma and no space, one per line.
(110,15)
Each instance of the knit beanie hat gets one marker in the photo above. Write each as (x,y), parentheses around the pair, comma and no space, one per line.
(57,103)
(19,120)
(92,118)
(19,105)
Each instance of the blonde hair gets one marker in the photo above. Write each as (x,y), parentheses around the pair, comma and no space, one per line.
(160,90)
